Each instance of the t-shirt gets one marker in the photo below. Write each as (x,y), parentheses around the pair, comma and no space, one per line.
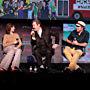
(10,39)
(82,38)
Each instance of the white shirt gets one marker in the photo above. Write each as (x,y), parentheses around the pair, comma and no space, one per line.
(39,32)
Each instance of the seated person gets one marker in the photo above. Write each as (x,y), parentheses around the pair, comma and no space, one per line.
(78,39)
(42,47)
(11,44)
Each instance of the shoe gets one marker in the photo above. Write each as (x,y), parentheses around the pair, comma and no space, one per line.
(2,70)
(15,69)
(42,67)
(66,69)
(46,67)
(80,70)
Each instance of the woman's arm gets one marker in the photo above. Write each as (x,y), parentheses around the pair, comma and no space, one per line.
(5,41)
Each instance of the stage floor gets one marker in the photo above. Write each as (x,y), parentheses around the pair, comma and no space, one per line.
(55,73)
(55,67)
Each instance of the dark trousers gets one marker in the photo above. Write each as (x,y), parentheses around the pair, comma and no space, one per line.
(38,53)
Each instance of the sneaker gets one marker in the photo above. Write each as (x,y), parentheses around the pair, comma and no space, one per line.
(42,67)
(43,58)
(77,66)
(2,70)
(15,69)
(66,69)
(80,70)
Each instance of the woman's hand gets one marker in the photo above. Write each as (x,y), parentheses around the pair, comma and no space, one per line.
(15,42)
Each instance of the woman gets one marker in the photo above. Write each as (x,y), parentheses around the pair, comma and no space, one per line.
(11,44)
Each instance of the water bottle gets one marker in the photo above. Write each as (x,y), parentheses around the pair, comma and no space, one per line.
(35,69)
(30,68)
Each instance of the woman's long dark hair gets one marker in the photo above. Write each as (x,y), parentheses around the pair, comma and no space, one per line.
(8,28)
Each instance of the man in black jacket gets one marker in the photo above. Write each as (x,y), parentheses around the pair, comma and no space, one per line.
(42,47)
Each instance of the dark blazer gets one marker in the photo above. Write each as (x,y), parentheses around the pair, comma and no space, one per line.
(44,43)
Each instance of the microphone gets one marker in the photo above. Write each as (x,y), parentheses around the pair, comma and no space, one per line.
(33,34)
(17,39)
(17,42)
(74,39)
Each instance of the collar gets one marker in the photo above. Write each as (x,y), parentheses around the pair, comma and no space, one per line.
(39,32)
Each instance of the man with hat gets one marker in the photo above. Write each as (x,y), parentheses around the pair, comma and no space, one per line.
(77,40)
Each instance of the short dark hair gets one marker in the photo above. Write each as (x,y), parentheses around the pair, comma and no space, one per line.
(37,21)
(8,27)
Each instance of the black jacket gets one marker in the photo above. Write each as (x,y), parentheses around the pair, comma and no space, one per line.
(44,43)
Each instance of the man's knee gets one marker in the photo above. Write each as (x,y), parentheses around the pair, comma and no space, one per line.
(79,52)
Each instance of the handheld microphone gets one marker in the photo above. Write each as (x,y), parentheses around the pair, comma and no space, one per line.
(17,39)
(74,39)
(33,34)
(17,42)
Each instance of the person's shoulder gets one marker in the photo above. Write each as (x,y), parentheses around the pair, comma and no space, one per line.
(5,35)
(16,34)
(86,31)
(73,32)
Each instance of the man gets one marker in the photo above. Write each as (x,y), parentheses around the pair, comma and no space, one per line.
(42,47)
(77,39)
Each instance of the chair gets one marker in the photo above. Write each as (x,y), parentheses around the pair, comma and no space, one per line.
(22,47)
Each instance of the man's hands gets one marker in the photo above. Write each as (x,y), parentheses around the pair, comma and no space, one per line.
(75,42)
(33,35)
